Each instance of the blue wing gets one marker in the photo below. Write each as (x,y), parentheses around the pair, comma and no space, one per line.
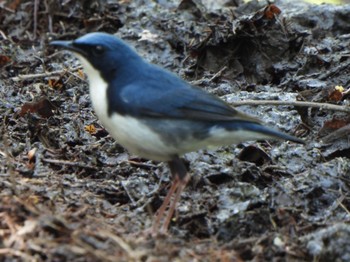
(161,94)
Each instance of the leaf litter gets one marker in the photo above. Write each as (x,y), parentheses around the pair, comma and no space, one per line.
(70,192)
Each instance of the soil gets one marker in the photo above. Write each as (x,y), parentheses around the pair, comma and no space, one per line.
(69,192)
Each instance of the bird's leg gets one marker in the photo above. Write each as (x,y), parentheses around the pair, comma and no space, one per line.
(180,179)
(161,210)
(181,186)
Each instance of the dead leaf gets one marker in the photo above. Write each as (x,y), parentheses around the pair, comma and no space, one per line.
(335,123)
(81,74)
(43,107)
(4,60)
(13,5)
(336,95)
(91,129)
(31,154)
(271,11)
(56,83)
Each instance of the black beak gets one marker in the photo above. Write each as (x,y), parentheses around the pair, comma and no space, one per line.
(68,45)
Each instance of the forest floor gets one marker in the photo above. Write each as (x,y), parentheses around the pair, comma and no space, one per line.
(69,192)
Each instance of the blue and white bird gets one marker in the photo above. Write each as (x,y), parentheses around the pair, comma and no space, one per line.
(156,115)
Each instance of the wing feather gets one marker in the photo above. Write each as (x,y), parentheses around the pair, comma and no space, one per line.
(183,102)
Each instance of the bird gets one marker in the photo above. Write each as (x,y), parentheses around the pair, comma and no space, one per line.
(157,115)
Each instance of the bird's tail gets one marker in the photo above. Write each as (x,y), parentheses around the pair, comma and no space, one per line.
(256,131)
(278,134)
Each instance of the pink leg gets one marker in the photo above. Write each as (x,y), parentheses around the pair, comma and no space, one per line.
(162,209)
(180,188)
(180,179)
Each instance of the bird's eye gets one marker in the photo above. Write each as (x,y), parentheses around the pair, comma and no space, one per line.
(98,50)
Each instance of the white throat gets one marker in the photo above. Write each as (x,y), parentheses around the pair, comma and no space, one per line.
(98,90)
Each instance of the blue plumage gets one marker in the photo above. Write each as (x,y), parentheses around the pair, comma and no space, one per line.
(155,114)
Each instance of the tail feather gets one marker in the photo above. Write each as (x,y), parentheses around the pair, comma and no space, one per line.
(279,134)
(265,131)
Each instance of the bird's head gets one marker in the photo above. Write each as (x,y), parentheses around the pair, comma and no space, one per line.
(102,52)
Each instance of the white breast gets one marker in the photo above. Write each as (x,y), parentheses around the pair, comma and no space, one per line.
(132,134)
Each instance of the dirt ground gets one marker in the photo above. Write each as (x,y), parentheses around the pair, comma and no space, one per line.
(69,192)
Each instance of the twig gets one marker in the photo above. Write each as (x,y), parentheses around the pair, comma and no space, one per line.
(140,164)
(218,74)
(292,103)
(2,6)
(335,70)
(12,252)
(337,134)
(133,202)
(31,76)
(132,254)
(205,80)
(3,35)
(68,163)
(46,74)
(340,202)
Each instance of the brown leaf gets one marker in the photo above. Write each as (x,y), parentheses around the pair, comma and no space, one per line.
(55,83)
(335,123)
(31,155)
(43,107)
(268,13)
(91,129)
(335,96)
(13,5)
(4,60)
(271,11)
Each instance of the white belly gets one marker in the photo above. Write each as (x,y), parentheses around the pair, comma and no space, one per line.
(136,137)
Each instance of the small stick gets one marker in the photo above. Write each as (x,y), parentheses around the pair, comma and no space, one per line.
(46,74)
(218,74)
(68,163)
(292,103)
